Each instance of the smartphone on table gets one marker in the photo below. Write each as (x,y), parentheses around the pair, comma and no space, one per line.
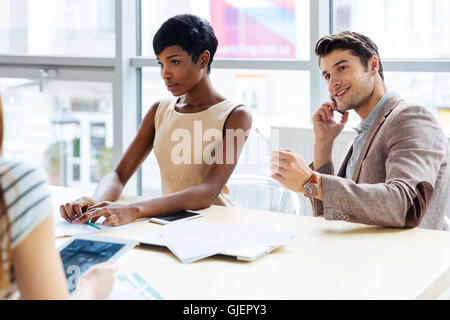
(177,216)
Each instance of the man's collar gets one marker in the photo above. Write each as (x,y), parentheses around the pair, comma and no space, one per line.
(381,104)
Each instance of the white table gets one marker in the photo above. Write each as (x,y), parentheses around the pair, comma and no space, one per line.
(328,260)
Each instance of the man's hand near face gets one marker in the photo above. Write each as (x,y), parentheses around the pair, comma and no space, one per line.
(326,130)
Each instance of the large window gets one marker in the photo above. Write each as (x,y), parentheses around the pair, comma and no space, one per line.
(266,31)
(419,37)
(77,76)
(429,89)
(261,29)
(272,97)
(56,83)
(402,29)
(65,129)
(57,27)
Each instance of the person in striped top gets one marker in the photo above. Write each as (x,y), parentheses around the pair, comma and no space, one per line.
(28,257)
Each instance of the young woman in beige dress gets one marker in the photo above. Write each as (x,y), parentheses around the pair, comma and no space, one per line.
(195,162)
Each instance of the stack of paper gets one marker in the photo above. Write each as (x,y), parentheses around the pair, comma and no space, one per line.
(192,240)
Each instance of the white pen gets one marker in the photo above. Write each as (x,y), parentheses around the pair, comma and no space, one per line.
(267,140)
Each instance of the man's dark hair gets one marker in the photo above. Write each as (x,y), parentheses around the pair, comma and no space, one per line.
(360,46)
(192,33)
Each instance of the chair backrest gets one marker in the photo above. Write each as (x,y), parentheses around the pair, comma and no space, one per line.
(262,193)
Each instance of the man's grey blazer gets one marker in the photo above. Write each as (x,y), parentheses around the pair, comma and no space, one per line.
(402,176)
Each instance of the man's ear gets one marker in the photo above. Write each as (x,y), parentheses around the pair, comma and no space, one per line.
(374,64)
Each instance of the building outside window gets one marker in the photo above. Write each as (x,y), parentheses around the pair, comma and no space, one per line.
(75,55)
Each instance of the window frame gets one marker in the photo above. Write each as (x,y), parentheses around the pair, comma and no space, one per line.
(124,70)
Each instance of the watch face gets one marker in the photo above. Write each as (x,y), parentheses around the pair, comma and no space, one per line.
(311,189)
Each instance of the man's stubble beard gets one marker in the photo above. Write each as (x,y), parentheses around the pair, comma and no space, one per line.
(355,105)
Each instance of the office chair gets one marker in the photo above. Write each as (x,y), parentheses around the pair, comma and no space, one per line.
(262,193)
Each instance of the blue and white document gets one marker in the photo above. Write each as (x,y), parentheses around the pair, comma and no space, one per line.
(133,286)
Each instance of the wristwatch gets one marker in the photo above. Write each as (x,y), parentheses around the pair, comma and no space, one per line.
(311,187)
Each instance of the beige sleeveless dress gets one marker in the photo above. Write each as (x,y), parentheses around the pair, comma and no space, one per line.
(183,142)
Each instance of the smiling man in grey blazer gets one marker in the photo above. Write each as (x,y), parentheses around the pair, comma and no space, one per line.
(396,173)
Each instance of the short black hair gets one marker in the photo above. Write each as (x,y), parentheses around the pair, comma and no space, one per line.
(360,45)
(192,33)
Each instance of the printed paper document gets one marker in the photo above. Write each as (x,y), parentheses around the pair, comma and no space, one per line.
(192,240)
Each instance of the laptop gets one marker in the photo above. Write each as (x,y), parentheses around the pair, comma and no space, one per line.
(153,240)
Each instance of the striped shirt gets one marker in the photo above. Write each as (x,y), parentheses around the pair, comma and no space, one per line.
(27,198)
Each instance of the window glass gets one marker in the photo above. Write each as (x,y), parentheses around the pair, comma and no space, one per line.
(273,97)
(421,31)
(402,29)
(57,27)
(428,89)
(264,29)
(48,128)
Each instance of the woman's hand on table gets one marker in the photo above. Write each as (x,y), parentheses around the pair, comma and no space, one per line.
(115,213)
(71,211)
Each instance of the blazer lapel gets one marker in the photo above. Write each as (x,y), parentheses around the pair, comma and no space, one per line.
(390,104)
(343,167)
